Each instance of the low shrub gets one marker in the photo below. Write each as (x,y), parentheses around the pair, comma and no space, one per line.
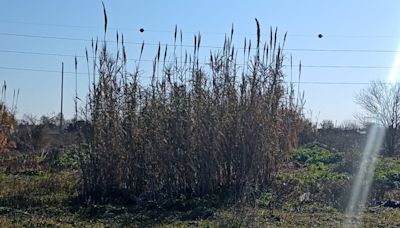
(387,173)
(315,154)
(316,181)
(69,158)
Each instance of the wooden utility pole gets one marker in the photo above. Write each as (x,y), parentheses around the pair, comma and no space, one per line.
(62,96)
(76,89)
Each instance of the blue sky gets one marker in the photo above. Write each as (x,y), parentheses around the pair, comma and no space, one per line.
(346,25)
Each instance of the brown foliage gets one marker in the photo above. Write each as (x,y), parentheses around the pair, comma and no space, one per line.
(7,128)
(195,130)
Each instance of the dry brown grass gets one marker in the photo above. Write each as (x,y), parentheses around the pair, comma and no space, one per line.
(196,129)
(7,123)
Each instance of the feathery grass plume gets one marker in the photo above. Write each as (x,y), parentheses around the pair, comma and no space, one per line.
(141,50)
(139,60)
(14,103)
(123,50)
(158,60)
(165,53)
(271,37)
(298,85)
(195,45)
(117,38)
(117,55)
(198,41)
(95,53)
(284,40)
(86,55)
(175,33)
(3,91)
(275,41)
(96,45)
(181,41)
(232,31)
(153,77)
(258,39)
(105,18)
(249,51)
(258,33)
(186,57)
(244,47)
(88,67)
(159,51)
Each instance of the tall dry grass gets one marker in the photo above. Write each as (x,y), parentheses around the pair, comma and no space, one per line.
(196,129)
(7,121)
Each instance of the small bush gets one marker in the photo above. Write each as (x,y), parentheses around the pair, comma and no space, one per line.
(315,154)
(387,173)
(264,199)
(317,181)
(69,158)
(315,175)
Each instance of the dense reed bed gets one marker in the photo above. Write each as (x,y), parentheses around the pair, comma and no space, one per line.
(196,129)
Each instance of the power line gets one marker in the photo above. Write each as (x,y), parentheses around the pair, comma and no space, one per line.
(57,54)
(205,63)
(332,83)
(341,50)
(131,29)
(171,31)
(293,82)
(46,37)
(50,24)
(349,66)
(204,46)
(39,70)
(41,53)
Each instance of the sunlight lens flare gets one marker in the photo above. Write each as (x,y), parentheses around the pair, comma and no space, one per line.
(363,180)
(394,72)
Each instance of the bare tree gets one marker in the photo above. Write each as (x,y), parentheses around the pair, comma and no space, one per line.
(381,103)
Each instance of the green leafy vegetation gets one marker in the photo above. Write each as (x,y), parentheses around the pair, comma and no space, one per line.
(315,174)
(316,181)
(38,188)
(70,157)
(305,196)
(388,173)
(315,154)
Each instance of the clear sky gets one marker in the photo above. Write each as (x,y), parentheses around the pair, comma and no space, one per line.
(40,27)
